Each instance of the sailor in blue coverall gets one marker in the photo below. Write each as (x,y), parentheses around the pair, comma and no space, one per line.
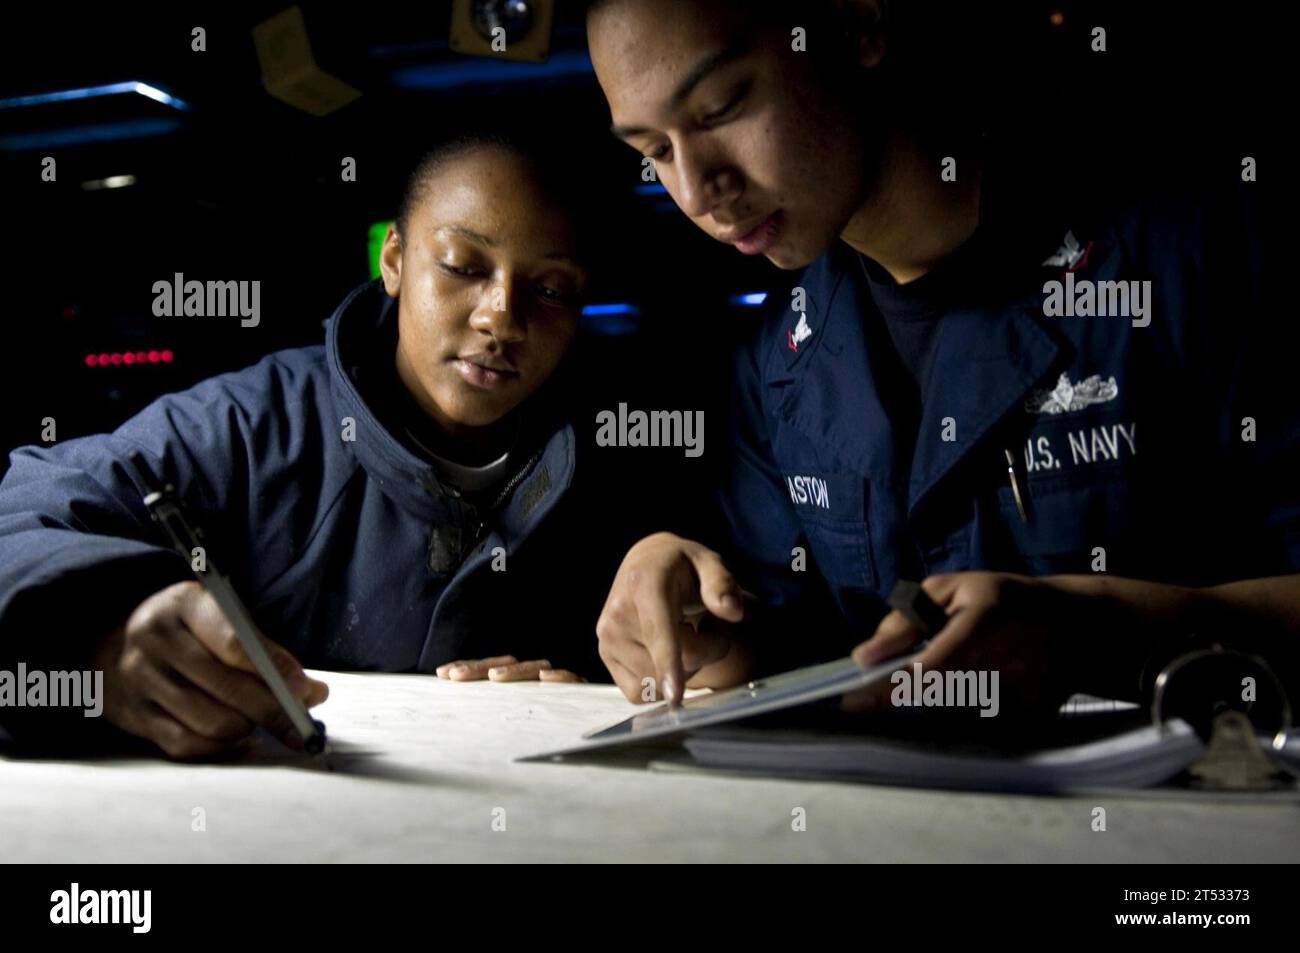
(375,514)
(1066,418)
(901,431)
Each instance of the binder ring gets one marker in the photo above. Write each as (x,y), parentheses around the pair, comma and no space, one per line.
(1169,671)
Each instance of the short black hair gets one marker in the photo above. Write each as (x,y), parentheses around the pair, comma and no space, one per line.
(937,61)
(566,186)
(417,183)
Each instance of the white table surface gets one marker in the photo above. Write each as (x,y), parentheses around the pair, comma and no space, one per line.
(438,766)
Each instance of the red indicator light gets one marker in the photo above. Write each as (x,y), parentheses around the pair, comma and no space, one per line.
(105,358)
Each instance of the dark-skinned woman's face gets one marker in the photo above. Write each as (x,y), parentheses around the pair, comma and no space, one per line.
(489,288)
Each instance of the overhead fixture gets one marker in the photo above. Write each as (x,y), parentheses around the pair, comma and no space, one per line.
(93,92)
(128,128)
(504,29)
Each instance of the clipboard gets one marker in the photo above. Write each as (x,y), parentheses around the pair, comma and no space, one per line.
(759,697)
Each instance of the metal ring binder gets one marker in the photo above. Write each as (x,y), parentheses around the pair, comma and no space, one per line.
(1181,662)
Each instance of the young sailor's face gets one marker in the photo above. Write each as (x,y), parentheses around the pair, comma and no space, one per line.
(755,141)
(489,289)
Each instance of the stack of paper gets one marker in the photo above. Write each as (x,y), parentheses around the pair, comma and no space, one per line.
(1137,758)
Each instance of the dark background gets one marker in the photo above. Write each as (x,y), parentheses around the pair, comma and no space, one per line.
(241,186)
